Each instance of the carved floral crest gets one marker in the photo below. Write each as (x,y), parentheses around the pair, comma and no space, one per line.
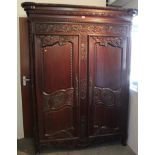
(48,40)
(105,41)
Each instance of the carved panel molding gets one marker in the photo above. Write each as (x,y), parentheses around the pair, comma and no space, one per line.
(107,96)
(66,133)
(58,99)
(99,130)
(80,28)
(105,41)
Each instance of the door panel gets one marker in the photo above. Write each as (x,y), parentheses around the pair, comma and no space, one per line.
(107,67)
(25,71)
(56,85)
(105,76)
(59,59)
(62,126)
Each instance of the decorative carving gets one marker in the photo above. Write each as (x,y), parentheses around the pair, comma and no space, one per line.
(48,40)
(58,99)
(83,52)
(105,96)
(99,130)
(80,28)
(66,133)
(83,47)
(83,89)
(105,41)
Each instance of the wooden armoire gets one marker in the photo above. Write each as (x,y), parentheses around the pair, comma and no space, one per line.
(80,64)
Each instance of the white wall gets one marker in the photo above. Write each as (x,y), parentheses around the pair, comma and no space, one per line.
(21,13)
(133,122)
(133,113)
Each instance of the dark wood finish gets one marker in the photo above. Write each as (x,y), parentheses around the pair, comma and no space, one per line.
(56,76)
(105,75)
(79,73)
(25,71)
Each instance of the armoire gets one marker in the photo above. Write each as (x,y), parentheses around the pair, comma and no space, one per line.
(80,66)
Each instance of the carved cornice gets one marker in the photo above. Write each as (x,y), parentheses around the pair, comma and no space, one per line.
(76,10)
(105,41)
(88,13)
(80,28)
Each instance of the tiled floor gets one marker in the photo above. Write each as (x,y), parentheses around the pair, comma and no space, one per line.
(25,147)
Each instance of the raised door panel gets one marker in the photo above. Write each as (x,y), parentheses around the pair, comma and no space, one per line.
(105,75)
(56,73)
(58,59)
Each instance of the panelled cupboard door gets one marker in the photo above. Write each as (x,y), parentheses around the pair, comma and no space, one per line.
(107,61)
(56,83)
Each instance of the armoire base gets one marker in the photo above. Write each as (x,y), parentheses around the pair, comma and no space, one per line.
(80,143)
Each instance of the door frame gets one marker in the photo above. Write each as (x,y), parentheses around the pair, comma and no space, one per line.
(25,71)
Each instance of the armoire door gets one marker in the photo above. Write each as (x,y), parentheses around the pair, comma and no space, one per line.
(56,83)
(106,78)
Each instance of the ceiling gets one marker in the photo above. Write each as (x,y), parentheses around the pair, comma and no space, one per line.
(119,2)
(123,3)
